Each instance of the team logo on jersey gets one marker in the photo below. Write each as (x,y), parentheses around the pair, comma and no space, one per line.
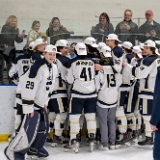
(117,61)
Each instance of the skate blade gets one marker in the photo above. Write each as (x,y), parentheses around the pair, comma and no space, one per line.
(146,146)
(74,149)
(35,158)
(127,144)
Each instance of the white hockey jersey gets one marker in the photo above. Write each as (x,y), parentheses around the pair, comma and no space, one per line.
(19,66)
(82,75)
(22,79)
(118,58)
(147,72)
(107,90)
(37,90)
(60,89)
(126,72)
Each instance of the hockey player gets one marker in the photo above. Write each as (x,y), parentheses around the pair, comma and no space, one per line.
(146,72)
(38,47)
(118,58)
(137,53)
(107,101)
(35,95)
(117,55)
(59,99)
(92,51)
(19,66)
(81,75)
(125,97)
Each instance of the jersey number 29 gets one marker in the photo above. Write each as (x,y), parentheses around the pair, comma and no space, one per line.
(30,85)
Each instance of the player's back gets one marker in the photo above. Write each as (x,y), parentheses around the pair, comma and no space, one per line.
(20,65)
(107,90)
(82,75)
(94,57)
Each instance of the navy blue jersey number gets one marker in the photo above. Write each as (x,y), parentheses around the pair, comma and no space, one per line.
(30,85)
(86,74)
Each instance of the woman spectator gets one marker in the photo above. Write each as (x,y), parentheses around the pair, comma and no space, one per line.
(33,34)
(9,34)
(104,27)
(55,27)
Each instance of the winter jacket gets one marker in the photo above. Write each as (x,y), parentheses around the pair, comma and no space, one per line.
(9,35)
(127,35)
(147,28)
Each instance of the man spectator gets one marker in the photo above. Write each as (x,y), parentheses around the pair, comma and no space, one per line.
(150,29)
(127,30)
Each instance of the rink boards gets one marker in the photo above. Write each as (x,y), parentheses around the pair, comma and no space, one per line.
(7,98)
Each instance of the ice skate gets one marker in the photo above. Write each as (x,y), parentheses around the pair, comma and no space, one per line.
(124,139)
(73,146)
(58,140)
(35,154)
(98,137)
(91,141)
(146,143)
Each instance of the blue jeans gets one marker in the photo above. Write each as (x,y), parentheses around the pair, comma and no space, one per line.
(156,148)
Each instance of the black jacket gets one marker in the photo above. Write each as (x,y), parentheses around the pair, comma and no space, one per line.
(147,28)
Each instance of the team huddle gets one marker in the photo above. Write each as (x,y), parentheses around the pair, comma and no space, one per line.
(109,87)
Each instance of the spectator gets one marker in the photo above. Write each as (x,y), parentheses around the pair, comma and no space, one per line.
(155,118)
(104,27)
(72,51)
(33,34)
(127,29)
(9,34)
(55,27)
(150,29)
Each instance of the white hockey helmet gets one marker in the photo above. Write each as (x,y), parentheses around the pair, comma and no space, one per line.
(91,41)
(150,43)
(62,43)
(38,42)
(81,49)
(112,37)
(106,51)
(127,45)
(137,50)
(100,45)
(141,45)
(51,48)
(157,42)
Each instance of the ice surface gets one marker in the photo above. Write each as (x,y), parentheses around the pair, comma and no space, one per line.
(134,152)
